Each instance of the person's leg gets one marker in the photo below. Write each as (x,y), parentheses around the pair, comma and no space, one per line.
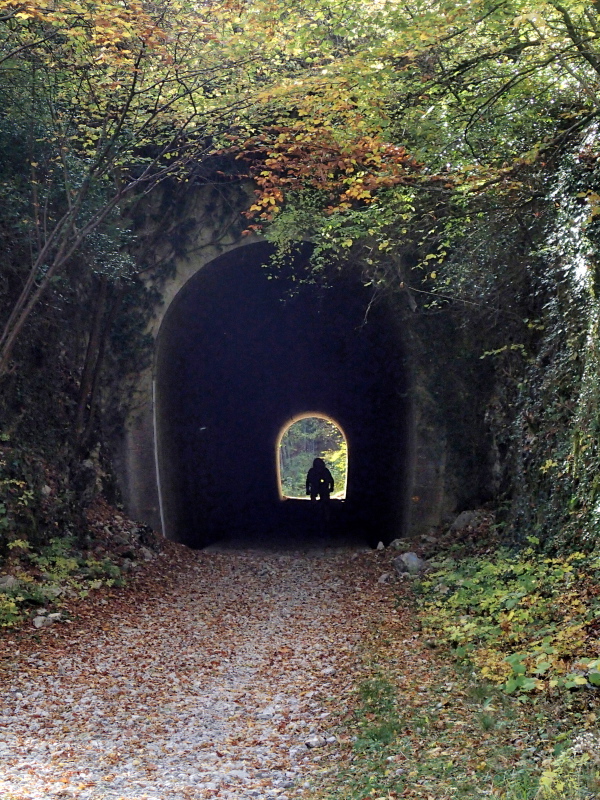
(324,496)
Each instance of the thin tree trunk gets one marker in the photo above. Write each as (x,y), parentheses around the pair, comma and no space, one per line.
(31,294)
(17,321)
(91,357)
(95,390)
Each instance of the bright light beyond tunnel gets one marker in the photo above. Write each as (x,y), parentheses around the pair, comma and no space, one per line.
(303,440)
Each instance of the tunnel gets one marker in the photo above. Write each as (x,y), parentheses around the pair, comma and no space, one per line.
(243,351)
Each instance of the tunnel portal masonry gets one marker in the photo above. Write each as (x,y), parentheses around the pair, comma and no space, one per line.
(238,355)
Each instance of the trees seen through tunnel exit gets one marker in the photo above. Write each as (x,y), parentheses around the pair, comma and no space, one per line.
(302,442)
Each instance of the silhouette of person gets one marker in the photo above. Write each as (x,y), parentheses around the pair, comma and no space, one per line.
(319,481)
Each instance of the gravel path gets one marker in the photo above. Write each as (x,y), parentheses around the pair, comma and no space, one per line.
(208,686)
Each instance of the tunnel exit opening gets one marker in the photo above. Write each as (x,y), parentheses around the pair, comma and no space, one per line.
(308,436)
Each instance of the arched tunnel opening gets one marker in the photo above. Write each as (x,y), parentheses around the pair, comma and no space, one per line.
(301,440)
(241,353)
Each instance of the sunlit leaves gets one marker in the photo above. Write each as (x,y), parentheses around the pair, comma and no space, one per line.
(295,159)
(111,99)
(527,623)
(477,94)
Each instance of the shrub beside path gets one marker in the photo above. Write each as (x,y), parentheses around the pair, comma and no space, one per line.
(207,678)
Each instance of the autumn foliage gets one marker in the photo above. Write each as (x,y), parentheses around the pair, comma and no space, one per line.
(297,158)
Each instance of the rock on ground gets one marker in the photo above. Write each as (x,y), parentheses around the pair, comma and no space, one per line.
(467,519)
(409,563)
(8,583)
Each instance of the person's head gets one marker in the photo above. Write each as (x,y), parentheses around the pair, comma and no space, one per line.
(318,463)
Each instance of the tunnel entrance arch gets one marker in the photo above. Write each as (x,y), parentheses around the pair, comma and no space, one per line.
(342,471)
(238,354)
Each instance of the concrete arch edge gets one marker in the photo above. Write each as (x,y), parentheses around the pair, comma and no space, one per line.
(136,455)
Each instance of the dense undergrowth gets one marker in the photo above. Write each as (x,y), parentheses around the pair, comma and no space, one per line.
(50,576)
(465,740)
(527,621)
(47,547)
(46,576)
(473,707)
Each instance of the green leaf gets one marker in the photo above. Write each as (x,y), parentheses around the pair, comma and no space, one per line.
(527,684)
(516,663)
(572,681)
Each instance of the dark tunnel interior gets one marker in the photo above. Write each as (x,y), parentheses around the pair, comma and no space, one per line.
(239,355)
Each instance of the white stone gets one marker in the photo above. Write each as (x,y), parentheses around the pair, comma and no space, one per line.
(315,741)
(238,773)
(297,750)
(409,562)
